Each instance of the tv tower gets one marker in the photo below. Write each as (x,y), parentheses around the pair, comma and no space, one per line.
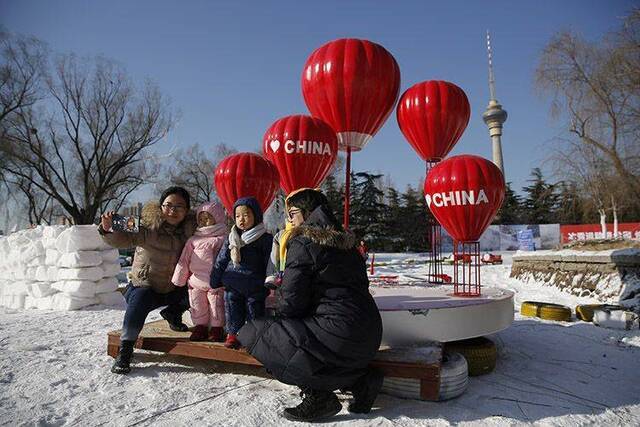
(495,116)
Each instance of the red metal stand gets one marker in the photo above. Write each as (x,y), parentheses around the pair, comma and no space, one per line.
(466,269)
(434,240)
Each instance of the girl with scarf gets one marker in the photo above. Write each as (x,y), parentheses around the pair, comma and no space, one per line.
(194,269)
(241,268)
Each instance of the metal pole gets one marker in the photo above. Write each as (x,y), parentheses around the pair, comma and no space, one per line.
(347,190)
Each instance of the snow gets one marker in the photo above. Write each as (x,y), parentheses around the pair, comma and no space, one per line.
(54,371)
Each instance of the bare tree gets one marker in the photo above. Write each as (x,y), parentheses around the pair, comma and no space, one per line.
(194,170)
(21,72)
(596,88)
(84,144)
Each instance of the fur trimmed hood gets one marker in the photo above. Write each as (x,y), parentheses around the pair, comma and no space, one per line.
(343,240)
(320,227)
(151,217)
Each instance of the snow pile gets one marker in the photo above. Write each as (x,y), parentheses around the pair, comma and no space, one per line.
(58,268)
(548,373)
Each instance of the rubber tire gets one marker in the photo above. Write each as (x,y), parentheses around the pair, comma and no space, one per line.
(454,379)
(545,310)
(481,354)
(585,311)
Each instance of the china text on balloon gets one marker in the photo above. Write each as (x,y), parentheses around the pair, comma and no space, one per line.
(304,147)
(455,198)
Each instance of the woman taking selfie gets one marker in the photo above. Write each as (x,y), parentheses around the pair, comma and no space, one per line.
(165,228)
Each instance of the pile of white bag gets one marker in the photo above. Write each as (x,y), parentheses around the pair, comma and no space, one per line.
(58,268)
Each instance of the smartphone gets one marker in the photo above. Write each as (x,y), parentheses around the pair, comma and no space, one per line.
(127,224)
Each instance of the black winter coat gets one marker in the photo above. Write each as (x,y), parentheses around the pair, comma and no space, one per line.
(328,327)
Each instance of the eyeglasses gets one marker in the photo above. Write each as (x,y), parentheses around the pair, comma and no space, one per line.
(293,212)
(171,208)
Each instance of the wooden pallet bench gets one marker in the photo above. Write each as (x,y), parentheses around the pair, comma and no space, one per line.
(421,363)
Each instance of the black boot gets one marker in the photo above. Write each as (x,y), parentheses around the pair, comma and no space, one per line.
(365,391)
(174,319)
(123,360)
(316,404)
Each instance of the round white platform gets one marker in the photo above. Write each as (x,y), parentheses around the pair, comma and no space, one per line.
(414,315)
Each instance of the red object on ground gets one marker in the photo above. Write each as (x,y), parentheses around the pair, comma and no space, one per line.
(464,193)
(302,148)
(352,85)
(432,116)
(246,174)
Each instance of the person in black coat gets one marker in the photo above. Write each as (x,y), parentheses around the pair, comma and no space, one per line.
(327,327)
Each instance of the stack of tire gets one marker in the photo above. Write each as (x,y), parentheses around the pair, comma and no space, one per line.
(480,353)
(545,310)
(454,379)
(604,315)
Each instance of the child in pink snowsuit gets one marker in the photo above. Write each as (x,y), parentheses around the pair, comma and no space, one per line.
(194,269)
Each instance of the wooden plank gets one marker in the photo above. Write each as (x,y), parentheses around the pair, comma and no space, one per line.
(420,363)
(407,370)
(430,389)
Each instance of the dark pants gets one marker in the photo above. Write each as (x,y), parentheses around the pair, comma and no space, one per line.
(239,308)
(142,301)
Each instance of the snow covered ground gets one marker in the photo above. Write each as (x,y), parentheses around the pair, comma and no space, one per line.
(54,371)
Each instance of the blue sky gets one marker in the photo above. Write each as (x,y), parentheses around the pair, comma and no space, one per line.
(232,68)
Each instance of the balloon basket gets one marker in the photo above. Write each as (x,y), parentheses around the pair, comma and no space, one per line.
(434,255)
(434,239)
(466,269)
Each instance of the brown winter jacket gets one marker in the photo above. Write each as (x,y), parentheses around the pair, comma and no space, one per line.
(158,247)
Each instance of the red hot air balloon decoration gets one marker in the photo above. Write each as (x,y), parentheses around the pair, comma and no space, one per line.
(302,148)
(246,174)
(464,193)
(432,116)
(352,85)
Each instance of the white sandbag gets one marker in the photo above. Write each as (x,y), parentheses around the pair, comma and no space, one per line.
(30,302)
(62,301)
(51,257)
(17,302)
(33,250)
(110,299)
(35,233)
(80,238)
(42,274)
(80,259)
(45,303)
(31,273)
(49,242)
(17,240)
(76,288)
(20,273)
(36,262)
(110,256)
(52,231)
(42,289)
(87,273)
(110,270)
(16,288)
(110,284)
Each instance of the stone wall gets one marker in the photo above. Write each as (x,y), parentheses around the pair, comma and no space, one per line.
(610,276)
